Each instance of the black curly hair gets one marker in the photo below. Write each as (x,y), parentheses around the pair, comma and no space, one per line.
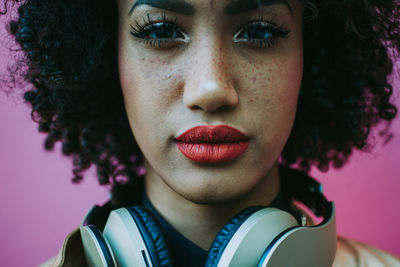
(71,66)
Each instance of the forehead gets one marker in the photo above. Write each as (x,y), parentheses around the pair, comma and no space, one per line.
(228,7)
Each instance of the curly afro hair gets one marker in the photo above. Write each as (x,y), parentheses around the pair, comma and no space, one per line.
(70,63)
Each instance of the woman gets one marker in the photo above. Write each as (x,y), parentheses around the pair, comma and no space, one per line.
(214,98)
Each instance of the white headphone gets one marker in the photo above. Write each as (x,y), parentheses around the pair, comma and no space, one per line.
(257,236)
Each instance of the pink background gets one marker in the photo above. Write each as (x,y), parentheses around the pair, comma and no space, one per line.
(40,205)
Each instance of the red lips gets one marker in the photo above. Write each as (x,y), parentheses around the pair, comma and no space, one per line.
(212,144)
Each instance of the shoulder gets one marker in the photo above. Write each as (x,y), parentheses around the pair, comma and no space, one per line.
(71,253)
(354,253)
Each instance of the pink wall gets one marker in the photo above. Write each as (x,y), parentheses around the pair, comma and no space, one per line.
(40,205)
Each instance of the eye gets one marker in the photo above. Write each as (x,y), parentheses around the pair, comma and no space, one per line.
(159,34)
(261,34)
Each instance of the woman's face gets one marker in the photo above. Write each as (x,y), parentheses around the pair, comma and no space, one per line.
(189,63)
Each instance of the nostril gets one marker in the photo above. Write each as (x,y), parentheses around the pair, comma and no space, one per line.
(224,108)
(195,107)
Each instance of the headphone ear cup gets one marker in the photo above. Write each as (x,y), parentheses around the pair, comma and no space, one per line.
(225,234)
(147,222)
(136,238)
(96,248)
(242,241)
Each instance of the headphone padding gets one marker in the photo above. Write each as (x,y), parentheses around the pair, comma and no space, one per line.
(225,234)
(150,224)
(96,249)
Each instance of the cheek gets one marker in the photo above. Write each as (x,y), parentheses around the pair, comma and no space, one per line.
(140,102)
(138,81)
(146,79)
(147,86)
(273,87)
(270,90)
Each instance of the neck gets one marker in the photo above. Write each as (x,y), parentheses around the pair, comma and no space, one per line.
(200,223)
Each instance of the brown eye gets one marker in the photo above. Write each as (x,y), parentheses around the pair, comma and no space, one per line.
(160,33)
(255,32)
(261,33)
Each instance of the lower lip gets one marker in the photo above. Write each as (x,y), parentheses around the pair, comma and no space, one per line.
(212,153)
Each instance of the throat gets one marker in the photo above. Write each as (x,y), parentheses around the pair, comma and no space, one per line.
(199,223)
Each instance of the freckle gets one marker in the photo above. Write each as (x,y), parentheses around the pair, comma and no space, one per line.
(212,4)
(254,79)
(243,65)
(151,61)
(143,58)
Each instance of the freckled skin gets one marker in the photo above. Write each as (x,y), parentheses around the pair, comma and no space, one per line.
(212,3)
(165,94)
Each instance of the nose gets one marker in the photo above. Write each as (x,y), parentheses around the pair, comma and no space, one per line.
(209,85)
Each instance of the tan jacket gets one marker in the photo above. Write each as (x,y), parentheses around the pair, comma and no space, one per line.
(349,253)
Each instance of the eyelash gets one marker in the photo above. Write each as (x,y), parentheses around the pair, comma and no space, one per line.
(166,25)
(141,31)
(266,26)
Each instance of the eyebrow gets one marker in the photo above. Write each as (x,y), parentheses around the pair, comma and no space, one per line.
(239,6)
(177,6)
(233,8)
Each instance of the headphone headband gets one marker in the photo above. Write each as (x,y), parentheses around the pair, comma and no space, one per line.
(307,190)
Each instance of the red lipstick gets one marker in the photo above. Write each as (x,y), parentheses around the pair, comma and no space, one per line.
(212,144)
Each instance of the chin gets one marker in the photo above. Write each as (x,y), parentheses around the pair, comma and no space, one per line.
(209,195)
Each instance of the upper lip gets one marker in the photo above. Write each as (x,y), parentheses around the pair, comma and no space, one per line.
(212,134)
